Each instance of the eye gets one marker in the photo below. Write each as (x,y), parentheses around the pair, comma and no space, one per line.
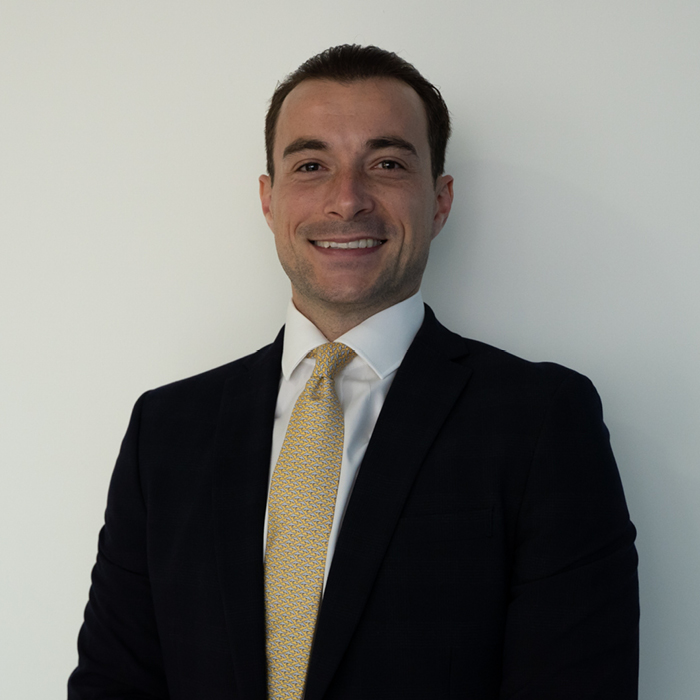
(309,168)
(388,164)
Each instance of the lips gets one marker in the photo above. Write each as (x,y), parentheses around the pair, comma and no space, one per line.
(358,243)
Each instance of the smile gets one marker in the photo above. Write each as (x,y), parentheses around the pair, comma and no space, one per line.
(361,243)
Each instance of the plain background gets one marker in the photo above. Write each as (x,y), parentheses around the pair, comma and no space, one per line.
(134,252)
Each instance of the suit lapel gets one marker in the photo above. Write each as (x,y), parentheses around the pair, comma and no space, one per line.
(421,397)
(241,464)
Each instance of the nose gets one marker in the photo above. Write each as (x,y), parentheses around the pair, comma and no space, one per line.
(349,196)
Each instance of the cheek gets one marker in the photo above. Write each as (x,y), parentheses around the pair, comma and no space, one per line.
(290,210)
(415,206)
(419,216)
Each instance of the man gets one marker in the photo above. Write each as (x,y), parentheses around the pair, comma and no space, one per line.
(398,513)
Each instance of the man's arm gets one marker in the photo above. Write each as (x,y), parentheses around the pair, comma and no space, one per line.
(119,649)
(572,624)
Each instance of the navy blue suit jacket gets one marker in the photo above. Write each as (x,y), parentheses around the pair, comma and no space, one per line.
(486,552)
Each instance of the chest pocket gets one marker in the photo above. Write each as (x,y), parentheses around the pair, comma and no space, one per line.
(437,537)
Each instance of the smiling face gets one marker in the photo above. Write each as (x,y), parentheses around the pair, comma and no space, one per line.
(353,206)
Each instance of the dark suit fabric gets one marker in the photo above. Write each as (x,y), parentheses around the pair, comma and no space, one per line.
(486,551)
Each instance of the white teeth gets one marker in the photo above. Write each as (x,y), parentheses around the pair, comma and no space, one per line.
(361,243)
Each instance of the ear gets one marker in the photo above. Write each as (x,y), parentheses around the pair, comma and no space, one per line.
(444,194)
(266,198)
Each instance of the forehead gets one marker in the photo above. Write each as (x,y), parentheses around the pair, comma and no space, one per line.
(362,109)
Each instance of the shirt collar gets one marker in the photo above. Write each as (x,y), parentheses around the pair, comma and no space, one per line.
(381,340)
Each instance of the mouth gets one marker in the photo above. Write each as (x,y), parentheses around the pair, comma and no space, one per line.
(358,243)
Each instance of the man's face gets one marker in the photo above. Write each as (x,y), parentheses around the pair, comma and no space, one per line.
(353,206)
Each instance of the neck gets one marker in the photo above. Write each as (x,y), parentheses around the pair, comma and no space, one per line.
(337,320)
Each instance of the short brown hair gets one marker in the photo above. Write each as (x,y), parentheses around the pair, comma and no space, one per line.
(351,62)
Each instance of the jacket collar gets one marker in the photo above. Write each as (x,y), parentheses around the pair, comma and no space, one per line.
(241,465)
(421,397)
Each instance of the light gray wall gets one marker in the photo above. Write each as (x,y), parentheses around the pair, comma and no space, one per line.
(133,251)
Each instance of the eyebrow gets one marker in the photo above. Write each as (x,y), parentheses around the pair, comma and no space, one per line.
(303,144)
(392,142)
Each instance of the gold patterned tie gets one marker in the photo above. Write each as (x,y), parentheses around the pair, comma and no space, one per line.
(300,516)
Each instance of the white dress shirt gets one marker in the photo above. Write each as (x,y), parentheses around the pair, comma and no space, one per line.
(380,343)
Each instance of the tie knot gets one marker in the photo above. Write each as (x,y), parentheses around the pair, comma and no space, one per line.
(331,358)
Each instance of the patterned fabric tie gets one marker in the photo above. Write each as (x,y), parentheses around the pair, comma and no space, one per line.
(300,516)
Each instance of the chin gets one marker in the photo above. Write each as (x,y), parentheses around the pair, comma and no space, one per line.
(346,294)
(364,298)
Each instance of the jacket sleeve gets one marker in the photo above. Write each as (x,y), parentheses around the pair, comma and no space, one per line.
(573,616)
(118,645)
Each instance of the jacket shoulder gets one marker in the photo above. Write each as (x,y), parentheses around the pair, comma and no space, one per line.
(201,393)
(496,364)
